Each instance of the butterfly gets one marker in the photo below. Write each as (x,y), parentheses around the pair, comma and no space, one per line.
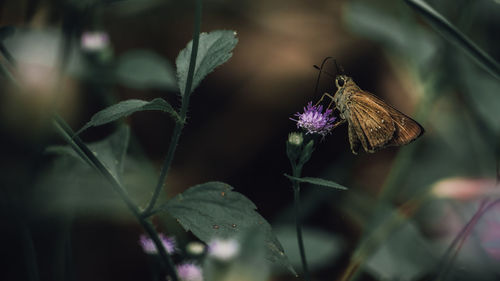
(372,123)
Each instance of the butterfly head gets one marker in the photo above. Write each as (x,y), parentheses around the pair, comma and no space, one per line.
(341,80)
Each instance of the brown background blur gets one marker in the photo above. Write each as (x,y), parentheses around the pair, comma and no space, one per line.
(238,120)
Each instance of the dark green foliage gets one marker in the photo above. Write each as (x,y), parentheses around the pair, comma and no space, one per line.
(212,210)
(215,49)
(126,108)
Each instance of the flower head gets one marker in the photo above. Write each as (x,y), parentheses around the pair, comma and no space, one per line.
(295,139)
(223,249)
(149,247)
(195,248)
(314,120)
(94,41)
(189,272)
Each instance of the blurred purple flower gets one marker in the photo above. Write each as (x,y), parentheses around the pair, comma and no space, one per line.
(149,247)
(94,40)
(189,272)
(314,120)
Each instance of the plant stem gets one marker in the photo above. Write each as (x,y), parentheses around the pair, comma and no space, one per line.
(452,252)
(184,107)
(82,149)
(29,253)
(451,33)
(298,218)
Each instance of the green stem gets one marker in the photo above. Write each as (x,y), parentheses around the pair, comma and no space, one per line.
(82,149)
(183,112)
(297,170)
(29,253)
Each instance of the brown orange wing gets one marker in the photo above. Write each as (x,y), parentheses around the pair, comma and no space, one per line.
(370,120)
(407,129)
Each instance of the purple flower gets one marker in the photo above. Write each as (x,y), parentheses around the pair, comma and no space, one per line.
(94,40)
(149,247)
(314,120)
(189,272)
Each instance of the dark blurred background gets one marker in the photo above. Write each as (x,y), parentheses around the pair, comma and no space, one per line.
(237,126)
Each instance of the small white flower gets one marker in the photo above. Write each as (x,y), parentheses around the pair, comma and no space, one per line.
(94,41)
(195,248)
(223,249)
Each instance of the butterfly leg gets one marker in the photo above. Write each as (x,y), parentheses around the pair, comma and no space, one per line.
(322,97)
(338,123)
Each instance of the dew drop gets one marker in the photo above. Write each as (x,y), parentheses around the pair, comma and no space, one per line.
(216,226)
(233,225)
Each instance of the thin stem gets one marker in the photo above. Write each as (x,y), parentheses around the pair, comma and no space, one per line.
(29,253)
(451,33)
(298,218)
(82,149)
(461,238)
(184,107)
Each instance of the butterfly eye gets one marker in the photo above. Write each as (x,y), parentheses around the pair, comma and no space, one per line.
(340,81)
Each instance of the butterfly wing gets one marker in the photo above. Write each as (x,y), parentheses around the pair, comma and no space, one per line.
(370,120)
(353,139)
(407,129)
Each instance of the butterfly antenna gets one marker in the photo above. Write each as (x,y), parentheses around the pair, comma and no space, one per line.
(319,74)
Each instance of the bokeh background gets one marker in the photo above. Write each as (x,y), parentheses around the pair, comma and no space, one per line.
(418,197)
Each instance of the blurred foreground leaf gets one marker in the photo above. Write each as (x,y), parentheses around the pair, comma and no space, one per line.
(70,186)
(213,210)
(110,151)
(142,69)
(214,49)
(404,255)
(126,108)
(394,28)
(322,248)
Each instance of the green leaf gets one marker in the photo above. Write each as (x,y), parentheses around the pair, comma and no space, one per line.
(69,185)
(142,69)
(318,181)
(110,151)
(214,49)
(322,248)
(213,210)
(126,108)
(452,34)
